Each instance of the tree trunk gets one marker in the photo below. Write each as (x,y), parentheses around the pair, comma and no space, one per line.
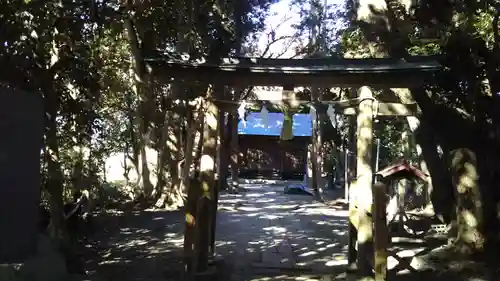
(426,137)
(164,151)
(134,143)
(145,108)
(126,167)
(469,209)
(175,193)
(190,152)
(414,124)
(147,186)
(54,174)
(205,213)
(442,197)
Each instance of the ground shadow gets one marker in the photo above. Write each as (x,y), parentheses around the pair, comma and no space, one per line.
(136,245)
(262,234)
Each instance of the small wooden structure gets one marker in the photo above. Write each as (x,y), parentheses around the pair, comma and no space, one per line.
(265,155)
(396,177)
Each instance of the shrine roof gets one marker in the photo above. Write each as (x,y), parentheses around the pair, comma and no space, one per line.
(255,125)
(402,169)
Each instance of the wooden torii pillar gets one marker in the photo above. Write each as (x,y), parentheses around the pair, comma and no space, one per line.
(368,199)
(362,197)
(200,227)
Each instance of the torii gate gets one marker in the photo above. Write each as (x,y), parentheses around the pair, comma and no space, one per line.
(289,73)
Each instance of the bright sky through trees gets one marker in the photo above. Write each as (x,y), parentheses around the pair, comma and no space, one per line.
(282,18)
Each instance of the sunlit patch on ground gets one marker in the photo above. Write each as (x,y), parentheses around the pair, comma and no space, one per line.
(280,231)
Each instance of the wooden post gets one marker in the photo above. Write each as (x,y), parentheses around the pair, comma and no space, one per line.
(205,223)
(350,150)
(364,182)
(318,151)
(194,192)
(201,253)
(380,230)
(235,151)
(223,150)
(317,145)
(220,179)
(311,181)
(346,173)
(402,184)
(352,253)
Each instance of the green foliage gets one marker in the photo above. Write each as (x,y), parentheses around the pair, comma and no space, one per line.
(320,26)
(78,56)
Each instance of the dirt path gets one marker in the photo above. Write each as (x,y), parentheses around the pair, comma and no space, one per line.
(262,234)
(261,225)
(263,228)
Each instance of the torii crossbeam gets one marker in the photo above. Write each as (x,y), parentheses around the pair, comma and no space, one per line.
(316,72)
